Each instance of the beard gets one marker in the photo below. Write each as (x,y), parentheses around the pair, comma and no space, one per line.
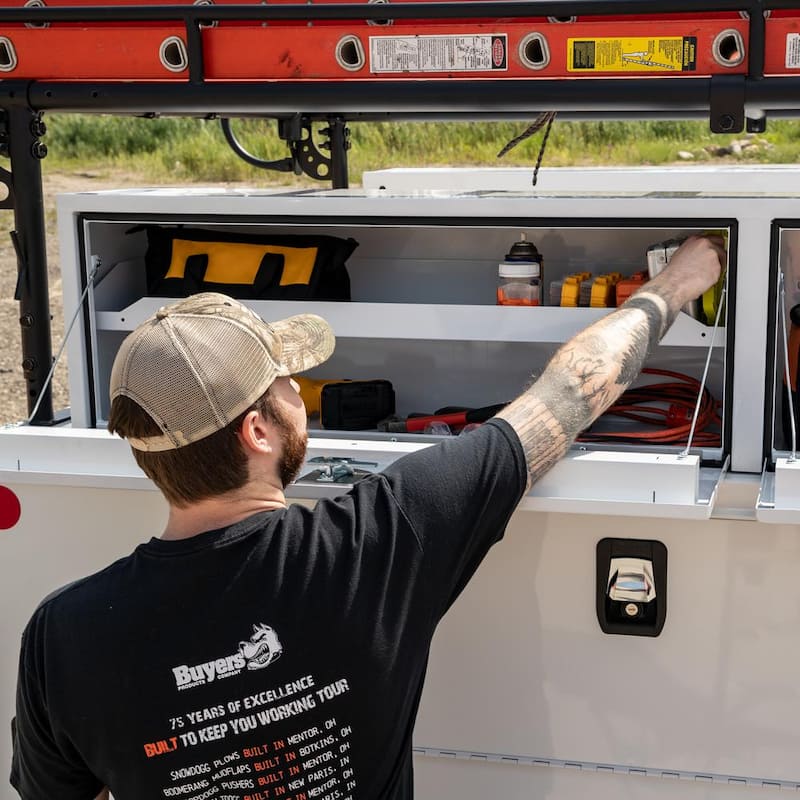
(293,454)
(294,445)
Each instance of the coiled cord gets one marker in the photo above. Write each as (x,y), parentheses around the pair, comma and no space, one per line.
(667,406)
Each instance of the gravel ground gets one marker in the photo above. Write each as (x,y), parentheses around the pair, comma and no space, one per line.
(13,402)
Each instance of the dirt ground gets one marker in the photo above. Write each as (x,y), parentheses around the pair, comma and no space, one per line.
(13,402)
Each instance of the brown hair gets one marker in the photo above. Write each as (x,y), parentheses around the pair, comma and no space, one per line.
(211,466)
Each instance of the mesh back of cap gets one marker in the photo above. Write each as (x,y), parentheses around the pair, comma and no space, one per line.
(194,374)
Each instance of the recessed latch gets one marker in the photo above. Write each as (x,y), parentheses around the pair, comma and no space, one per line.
(631,586)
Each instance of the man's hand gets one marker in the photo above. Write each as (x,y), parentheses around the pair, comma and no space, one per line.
(592,369)
(694,267)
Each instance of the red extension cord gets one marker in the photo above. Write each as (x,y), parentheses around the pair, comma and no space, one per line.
(669,408)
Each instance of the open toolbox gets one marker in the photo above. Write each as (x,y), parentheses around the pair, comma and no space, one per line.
(779,498)
(422,318)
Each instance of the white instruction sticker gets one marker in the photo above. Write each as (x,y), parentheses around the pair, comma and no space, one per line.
(466,53)
(793,51)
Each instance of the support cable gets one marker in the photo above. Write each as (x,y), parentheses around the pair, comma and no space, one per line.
(703,380)
(49,378)
(786,372)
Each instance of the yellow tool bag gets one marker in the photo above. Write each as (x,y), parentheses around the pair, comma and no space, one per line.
(183,261)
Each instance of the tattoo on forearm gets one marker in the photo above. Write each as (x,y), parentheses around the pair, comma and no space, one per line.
(632,358)
(658,315)
(543,438)
(585,377)
(570,406)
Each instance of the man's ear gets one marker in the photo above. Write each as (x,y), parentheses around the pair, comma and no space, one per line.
(256,433)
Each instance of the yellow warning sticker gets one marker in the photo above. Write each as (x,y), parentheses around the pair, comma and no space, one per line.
(641,54)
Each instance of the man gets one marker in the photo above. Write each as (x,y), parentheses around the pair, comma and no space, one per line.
(259,650)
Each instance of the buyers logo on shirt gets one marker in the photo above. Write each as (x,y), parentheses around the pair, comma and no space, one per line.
(260,651)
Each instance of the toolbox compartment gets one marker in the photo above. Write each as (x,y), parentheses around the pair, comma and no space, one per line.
(779,497)
(423,317)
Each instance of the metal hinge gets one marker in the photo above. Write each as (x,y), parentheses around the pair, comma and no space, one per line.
(609,769)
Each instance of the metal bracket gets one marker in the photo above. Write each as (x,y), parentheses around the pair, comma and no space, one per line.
(337,469)
(341,460)
(757,125)
(726,101)
(38,151)
(23,128)
(306,154)
(305,157)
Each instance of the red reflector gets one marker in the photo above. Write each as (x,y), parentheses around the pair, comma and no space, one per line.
(10,509)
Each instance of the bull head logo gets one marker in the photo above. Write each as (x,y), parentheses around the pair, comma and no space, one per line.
(262,649)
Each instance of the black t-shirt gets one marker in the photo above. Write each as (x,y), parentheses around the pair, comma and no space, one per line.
(282,657)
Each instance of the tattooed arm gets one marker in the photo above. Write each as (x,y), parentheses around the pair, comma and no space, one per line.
(589,372)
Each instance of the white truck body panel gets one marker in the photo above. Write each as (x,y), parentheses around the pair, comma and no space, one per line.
(525,696)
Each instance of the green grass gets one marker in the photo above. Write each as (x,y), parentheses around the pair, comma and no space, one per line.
(189,149)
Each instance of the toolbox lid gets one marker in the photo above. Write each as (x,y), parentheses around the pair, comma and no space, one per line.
(779,494)
(664,485)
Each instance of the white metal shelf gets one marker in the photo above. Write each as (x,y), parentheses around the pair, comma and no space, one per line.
(432,321)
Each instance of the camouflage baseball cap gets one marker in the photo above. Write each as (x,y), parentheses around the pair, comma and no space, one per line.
(196,365)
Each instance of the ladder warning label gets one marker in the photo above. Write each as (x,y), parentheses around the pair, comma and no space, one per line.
(448,53)
(643,54)
(793,51)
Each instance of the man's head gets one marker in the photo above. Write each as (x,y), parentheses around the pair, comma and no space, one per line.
(183,382)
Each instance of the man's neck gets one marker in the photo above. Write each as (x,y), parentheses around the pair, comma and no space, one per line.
(219,512)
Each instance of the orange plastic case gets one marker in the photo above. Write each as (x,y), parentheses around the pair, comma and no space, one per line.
(627,286)
(672,44)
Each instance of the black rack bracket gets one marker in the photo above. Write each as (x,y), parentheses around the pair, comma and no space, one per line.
(20,134)
(726,103)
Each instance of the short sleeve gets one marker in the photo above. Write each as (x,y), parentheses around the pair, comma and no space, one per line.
(458,497)
(43,764)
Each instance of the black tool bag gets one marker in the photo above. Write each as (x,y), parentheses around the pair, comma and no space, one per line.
(355,405)
(183,261)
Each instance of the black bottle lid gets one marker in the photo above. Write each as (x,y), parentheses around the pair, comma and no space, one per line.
(523,250)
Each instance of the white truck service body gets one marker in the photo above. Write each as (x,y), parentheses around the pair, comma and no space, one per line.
(526,695)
